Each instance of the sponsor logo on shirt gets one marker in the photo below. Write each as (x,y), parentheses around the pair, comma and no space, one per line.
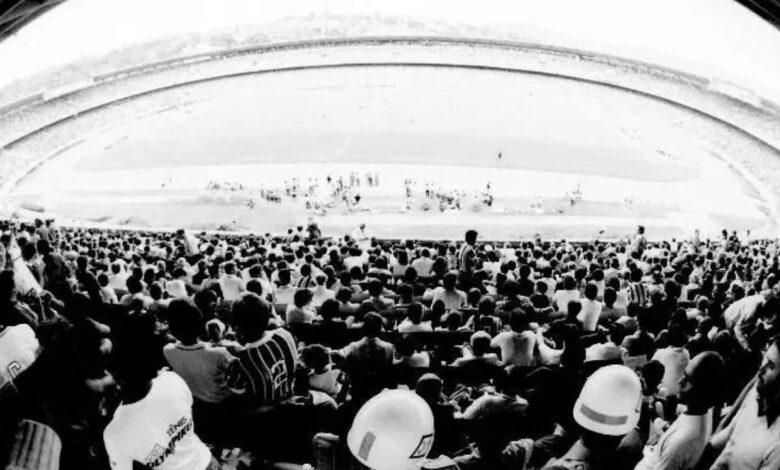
(175,432)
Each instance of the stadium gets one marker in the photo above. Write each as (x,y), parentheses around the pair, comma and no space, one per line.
(389,235)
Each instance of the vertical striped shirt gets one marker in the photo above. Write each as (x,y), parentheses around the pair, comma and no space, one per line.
(268,366)
(465,257)
(637,294)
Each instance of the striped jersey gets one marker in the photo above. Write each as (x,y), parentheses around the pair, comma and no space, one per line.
(268,366)
(465,258)
(637,293)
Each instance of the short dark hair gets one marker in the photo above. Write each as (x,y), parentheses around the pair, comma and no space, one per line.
(374,287)
(302,297)
(184,319)
(251,314)
(253,285)
(372,324)
(329,309)
(591,291)
(344,294)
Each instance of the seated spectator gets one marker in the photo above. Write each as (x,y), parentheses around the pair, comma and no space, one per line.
(323,376)
(301,310)
(156,409)
(611,313)
(641,343)
(375,291)
(306,279)
(19,347)
(478,352)
(413,322)
(540,298)
(232,286)
(368,362)
(269,357)
(610,351)
(135,294)
(216,332)
(452,297)
(344,297)
(408,353)
(701,342)
(429,387)
(202,366)
(473,296)
(107,294)
(591,308)
(206,300)
(516,345)
(12,311)
(452,323)
(675,359)
(561,298)
(406,294)
(485,318)
(331,323)
(683,443)
(285,291)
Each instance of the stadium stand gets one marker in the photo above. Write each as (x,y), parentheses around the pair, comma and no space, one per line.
(214,351)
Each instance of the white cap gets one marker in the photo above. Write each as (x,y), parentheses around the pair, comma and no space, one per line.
(610,401)
(392,431)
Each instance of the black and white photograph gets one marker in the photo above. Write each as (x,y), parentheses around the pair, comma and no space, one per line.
(389,235)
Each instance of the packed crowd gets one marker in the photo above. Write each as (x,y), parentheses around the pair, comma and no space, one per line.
(214,351)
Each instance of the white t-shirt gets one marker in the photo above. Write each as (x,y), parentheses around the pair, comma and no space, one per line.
(753,441)
(423,266)
(407,326)
(18,350)
(232,286)
(453,300)
(681,446)
(562,298)
(320,294)
(157,431)
(516,348)
(675,360)
(590,313)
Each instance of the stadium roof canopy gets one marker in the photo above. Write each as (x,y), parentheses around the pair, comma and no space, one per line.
(15,14)
(733,40)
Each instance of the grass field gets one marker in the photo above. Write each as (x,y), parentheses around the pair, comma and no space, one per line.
(408,122)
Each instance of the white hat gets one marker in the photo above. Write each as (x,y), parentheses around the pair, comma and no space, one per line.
(610,401)
(392,431)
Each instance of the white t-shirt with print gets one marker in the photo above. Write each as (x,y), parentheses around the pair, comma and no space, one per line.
(157,431)
(18,350)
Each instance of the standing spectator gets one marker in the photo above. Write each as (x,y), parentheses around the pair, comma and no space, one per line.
(466,261)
